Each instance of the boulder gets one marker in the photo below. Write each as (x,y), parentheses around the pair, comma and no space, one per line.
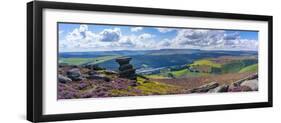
(222,88)
(254,76)
(99,77)
(250,77)
(93,67)
(234,88)
(126,70)
(74,74)
(253,84)
(123,60)
(63,79)
(125,67)
(205,88)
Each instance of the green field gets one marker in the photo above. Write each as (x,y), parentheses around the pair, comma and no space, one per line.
(205,67)
(251,68)
(80,61)
(186,72)
(205,62)
(176,74)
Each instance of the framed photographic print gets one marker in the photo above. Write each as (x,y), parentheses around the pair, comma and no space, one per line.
(96,61)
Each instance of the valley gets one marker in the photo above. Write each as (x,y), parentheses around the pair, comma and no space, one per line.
(158,72)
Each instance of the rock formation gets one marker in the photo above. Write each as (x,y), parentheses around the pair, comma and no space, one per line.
(74,74)
(222,88)
(126,70)
(204,88)
(63,79)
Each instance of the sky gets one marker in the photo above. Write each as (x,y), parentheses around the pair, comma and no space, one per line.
(97,37)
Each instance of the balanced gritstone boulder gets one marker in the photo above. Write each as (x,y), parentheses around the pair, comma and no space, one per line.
(126,70)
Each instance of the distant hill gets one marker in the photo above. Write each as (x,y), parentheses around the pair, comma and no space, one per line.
(150,52)
(149,58)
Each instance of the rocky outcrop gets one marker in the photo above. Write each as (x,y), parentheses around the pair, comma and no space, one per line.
(254,76)
(126,70)
(74,74)
(249,83)
(99,77)
(253,84)
(235,88)
(63,79)
(222,88)
(204,88)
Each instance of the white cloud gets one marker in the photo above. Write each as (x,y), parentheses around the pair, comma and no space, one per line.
(109,35)
(142,41)
(108,39)
(145,36)
(165,30)
(241,44)
(112,39)
(212,39)
(136,29)
(81,38)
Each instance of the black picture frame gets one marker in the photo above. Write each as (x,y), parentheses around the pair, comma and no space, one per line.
(35,69)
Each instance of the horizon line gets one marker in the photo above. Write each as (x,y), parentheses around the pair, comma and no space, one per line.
(161,49)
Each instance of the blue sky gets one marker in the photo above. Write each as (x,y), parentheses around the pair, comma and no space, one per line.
(92,37)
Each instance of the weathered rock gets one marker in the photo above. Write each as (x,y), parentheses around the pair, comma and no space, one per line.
(253,84)
(125,67)
(204,88)
(99,77)
(233,88)
(123,60)
(250,77)
(63,79)
(93,67)
(74,74)
(132,77)
(222,88)
(110,72)
(254,76)
(126,70)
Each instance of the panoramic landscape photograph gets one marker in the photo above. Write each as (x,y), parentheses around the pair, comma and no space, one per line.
(106,60)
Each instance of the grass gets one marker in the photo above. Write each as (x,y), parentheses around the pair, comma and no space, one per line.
(116,92)
(79,61)
(206,62)
(146,87)
(251,68)
(186,72)
(150,87)
(156,76)
(176,74)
